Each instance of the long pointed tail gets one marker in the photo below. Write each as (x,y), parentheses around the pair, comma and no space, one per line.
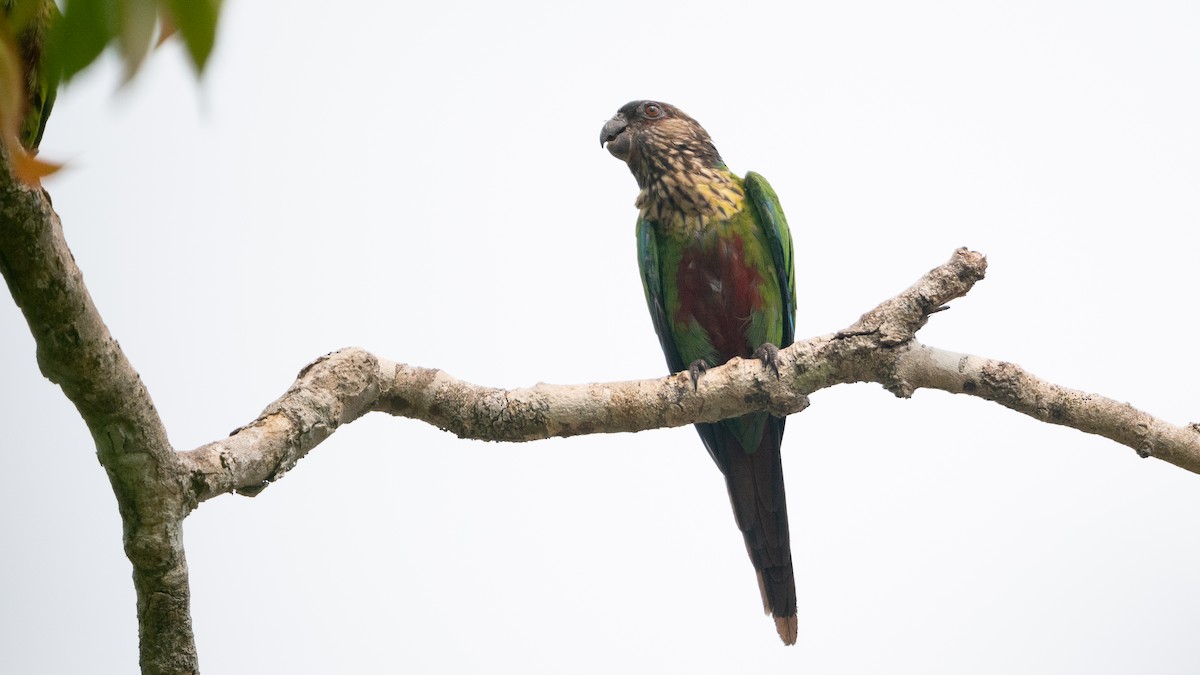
(755,483)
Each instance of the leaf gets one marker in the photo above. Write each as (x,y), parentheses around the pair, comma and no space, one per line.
(166,27)
(137,21)
(87,26)
(26,166)
(197,22)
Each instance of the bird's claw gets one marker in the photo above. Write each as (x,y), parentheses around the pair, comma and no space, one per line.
(696,369)
(769,355)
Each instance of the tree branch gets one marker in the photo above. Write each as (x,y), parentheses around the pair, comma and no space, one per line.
(1012,387)
(157,487)
(342,386)
(76,352)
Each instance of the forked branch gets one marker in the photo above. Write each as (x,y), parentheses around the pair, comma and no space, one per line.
(879,347)
(157,487)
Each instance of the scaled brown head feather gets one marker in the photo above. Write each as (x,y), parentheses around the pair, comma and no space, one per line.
(683,181)
(656,138)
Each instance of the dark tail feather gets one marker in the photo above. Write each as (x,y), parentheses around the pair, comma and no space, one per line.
(755,482)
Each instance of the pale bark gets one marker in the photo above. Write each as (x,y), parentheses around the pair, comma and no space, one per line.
(1012,387)
(76,352)
(157,487)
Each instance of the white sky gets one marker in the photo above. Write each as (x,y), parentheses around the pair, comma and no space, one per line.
(424,180)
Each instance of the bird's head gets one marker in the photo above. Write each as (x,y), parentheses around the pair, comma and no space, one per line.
(655,138)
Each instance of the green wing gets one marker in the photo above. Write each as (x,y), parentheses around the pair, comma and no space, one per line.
(779,240)
(648,263)
(33,20)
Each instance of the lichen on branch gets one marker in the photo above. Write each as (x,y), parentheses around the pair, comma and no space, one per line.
(157,487)
(880,347)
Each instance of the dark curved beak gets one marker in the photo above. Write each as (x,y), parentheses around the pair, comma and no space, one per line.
(612,128)
(614,135)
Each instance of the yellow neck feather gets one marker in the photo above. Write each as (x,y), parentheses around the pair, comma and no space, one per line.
(689,200)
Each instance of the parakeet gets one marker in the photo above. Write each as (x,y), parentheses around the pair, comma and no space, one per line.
(715,256)
(33,20)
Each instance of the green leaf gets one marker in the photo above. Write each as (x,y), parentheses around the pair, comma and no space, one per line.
(197,23)
(86,28)
(137,21)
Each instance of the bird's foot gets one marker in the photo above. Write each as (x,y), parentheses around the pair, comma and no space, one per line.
(769,355)
(696,369)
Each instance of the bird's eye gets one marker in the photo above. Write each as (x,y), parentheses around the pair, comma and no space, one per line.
(652,111)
